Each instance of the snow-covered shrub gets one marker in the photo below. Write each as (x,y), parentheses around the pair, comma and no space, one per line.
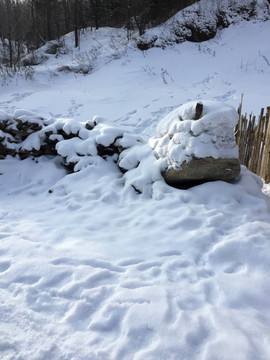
(118,46)
(6,72)
(33,59)
(85,61)
(55,47)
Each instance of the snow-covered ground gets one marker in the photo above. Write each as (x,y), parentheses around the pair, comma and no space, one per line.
(89,269)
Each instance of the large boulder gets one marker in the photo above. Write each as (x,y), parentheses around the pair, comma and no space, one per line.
(197,142)
(201,170)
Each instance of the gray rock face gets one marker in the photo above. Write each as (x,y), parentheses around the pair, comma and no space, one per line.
(202,170)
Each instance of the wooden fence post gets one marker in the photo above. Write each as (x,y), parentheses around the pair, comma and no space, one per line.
(253,140)
(265,169)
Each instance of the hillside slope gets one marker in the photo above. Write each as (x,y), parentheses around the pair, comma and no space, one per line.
(201,21)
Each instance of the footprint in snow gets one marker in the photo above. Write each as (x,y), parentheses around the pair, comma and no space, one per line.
(198,335)
(136,338)
(210,292)
(74,289)
(110,319)
(183,270)
(148,265)
(65,261)
(4,265)
(130,262)
(133,284)
(83,310)
(94,263)
(170,253)
(190,303)
(234,268)
(57,279)
(27,279)
(132,112)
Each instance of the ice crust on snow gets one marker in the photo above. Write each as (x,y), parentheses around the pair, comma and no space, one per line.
(180,138)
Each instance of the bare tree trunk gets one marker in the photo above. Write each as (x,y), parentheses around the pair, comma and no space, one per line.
(49,19)
(128,21)
(9,35)
(10,50)
(96,12)
(76,30)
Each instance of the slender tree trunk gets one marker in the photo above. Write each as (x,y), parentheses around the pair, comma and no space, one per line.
(76,30)
(66,11)
(49,19)
(9,35)
(128,21)
(95,7)
(10,50)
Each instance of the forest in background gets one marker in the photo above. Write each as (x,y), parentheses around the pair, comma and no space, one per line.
(26,25)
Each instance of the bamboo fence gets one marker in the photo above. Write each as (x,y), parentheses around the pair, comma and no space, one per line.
(253,140)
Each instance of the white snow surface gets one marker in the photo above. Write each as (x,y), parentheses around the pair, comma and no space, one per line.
(89,269)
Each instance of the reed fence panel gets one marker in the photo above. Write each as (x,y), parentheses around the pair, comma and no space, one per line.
(253,140)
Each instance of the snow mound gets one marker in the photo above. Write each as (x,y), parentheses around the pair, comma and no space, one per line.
(181,137)
(201,21)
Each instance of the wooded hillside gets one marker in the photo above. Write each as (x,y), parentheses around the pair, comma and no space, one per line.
(30,23)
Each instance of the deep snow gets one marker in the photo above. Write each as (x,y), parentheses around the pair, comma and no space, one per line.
(89,269)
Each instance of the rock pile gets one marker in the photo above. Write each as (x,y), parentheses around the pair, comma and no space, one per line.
(195,143)
(27,134)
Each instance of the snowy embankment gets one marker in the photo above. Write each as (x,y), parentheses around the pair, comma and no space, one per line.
(89,269)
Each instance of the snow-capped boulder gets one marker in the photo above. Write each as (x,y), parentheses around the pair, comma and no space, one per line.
(198,143)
